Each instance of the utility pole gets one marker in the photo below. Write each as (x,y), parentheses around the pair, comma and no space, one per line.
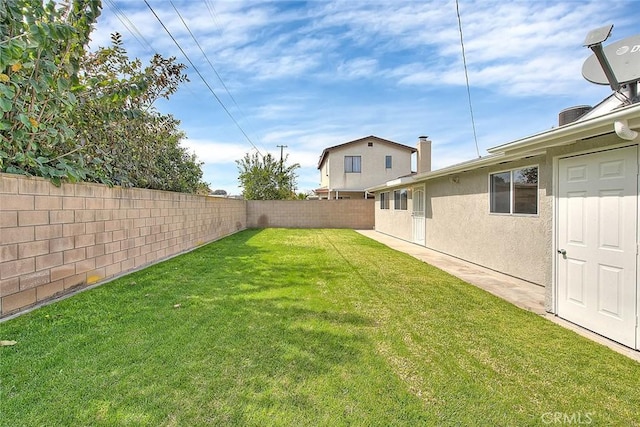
(282,147)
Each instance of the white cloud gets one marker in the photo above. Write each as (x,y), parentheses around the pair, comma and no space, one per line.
(316,74)
(307,159)
(358,67)
(214,152)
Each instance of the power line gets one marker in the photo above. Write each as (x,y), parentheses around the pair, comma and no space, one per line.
(212,12)
(203,79)
(124,19)
(466,75)
(209,62)
(133,30)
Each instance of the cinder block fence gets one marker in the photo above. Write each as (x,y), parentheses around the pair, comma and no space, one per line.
(57,239)
(356,213)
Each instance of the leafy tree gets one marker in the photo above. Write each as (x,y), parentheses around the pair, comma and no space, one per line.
(529,175)
(68,114)
(203,188)
(40,52)
(125,138)
(266,178)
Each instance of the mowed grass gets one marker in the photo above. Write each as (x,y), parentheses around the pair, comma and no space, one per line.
(303,327)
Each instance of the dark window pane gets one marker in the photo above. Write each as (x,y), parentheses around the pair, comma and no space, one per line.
(400,199)
(525,191)
(500,192)
(403,200)
(352,164)
(384,200)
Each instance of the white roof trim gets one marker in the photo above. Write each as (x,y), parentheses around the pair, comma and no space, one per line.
(534,145)
(573,131)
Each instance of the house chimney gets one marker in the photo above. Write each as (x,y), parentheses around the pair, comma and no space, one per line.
(424,154)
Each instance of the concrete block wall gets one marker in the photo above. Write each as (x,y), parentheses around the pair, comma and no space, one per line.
(356,214)
(56,239)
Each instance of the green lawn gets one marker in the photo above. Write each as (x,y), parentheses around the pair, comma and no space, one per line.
(303,327)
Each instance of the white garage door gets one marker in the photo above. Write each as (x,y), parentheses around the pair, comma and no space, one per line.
(597,243)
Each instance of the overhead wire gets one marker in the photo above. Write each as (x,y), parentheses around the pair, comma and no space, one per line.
(212,12)
(135,32)
(466,75)
(203,79)
(130,26)
(216,21)
(206,57)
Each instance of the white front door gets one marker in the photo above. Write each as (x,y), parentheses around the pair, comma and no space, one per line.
(418,216)
(597,243)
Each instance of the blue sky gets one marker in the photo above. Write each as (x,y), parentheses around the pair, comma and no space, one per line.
(310,75)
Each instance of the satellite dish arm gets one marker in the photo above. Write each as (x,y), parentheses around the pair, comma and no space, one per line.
(594,42)
(606,67)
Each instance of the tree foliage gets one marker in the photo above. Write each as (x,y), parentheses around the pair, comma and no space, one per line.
(265,178)
(40,51)
(69,114)
(126,139)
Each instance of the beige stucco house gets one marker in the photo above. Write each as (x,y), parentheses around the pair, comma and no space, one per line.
(347,169)
(558,209)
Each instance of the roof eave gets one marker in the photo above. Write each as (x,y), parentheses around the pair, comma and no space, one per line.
(571,132)
(531,146)
(393,183)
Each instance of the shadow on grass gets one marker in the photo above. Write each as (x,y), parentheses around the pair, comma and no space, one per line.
(232,333)
(302,327)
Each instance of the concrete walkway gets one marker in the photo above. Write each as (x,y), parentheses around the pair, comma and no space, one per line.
(521,293)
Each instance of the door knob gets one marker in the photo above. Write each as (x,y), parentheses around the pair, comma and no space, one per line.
(562,252)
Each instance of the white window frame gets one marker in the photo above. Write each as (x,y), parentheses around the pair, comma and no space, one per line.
(511,191)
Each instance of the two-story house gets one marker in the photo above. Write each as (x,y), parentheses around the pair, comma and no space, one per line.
(347,169)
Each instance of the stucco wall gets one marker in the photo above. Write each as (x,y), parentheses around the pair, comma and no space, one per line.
(349,195)
(459,223)
(354,213)
(373,165)
(55,239)
(397,223)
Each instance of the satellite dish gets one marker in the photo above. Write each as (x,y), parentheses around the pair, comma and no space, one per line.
(623,57)
(598,35)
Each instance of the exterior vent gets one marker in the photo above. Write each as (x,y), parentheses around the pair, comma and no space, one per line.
(571,114)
